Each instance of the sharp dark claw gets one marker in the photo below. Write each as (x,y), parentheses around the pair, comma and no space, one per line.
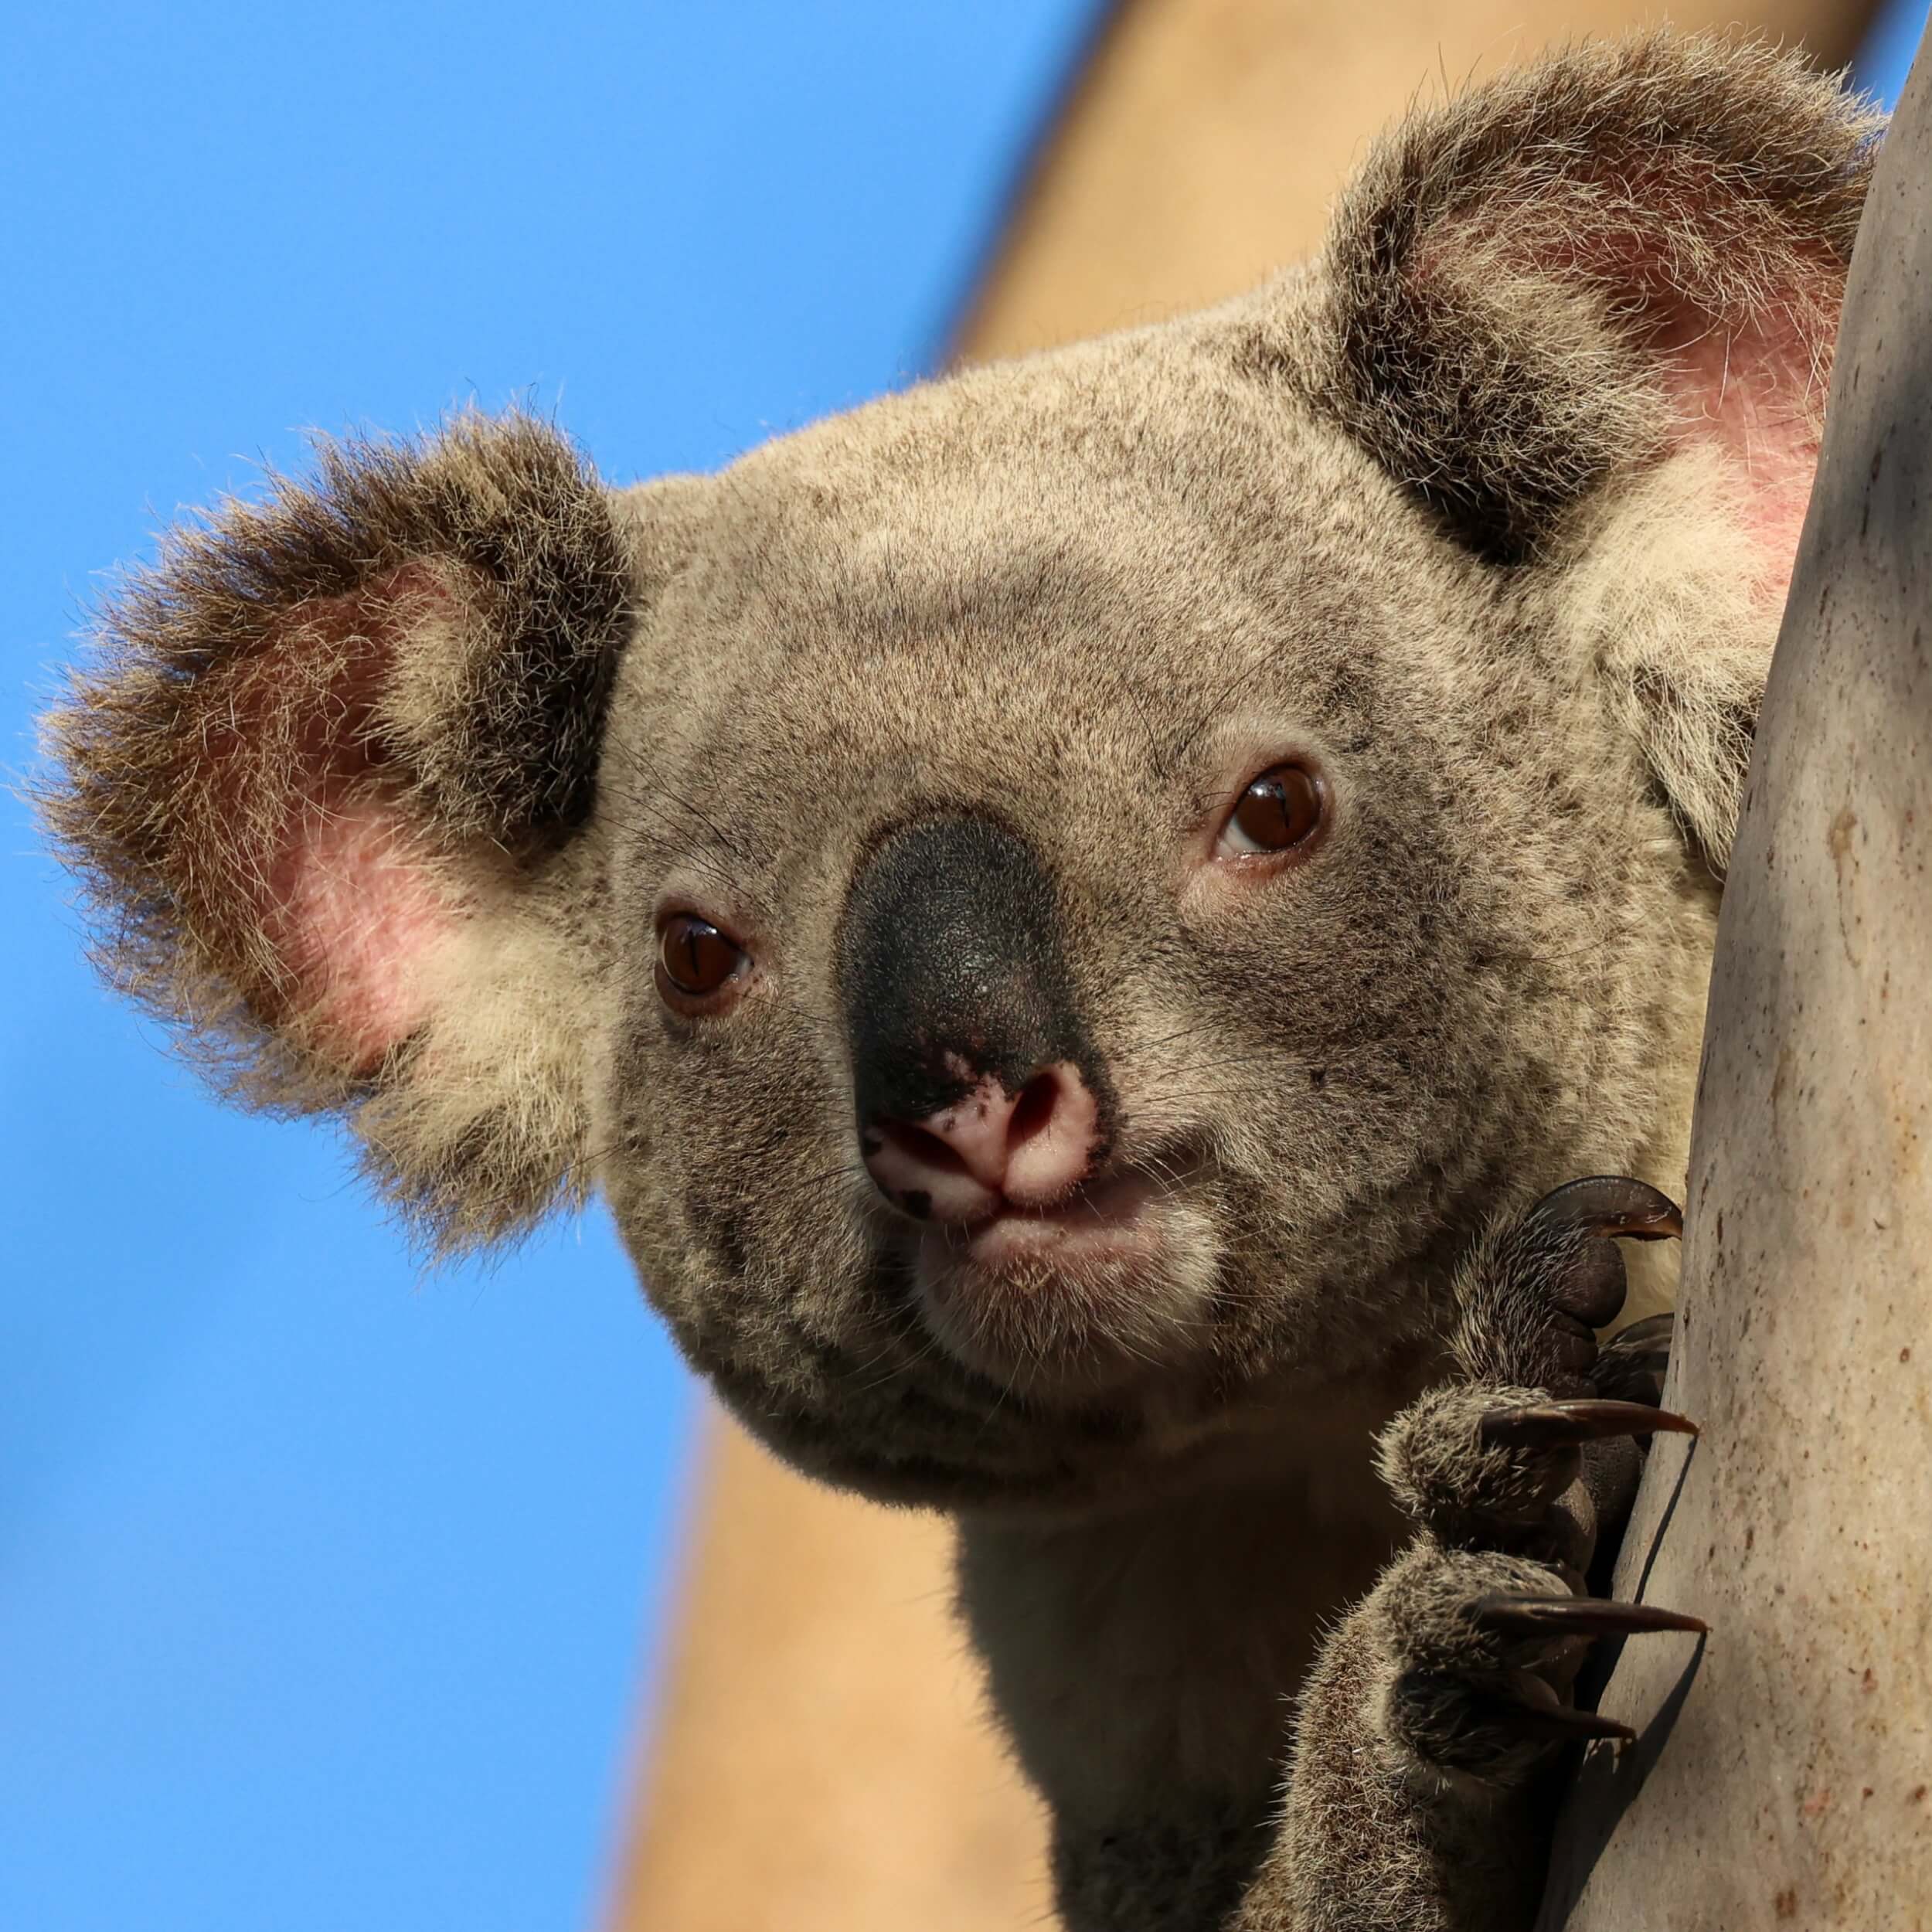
(1562,1425)
(1633,1361)
(1528,1721)
(1650,1336)
(1613,1206)
(1577,1616)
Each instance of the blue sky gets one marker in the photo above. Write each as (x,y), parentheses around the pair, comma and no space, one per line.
(325,1588)
(1897,29)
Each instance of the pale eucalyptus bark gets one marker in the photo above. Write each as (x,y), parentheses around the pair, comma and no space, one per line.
(1783,1774)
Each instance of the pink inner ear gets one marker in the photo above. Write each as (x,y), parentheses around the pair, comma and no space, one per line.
(353,916)
(329,862)
(1744,365)
(1755,393)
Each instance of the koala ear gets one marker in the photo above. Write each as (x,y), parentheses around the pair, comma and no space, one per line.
(1622,265)
(323,786)
(1619,251)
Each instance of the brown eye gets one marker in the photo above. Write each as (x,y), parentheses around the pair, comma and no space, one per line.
(694,960)
(1280,810)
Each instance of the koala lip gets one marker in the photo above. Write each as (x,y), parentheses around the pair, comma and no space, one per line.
(1108,1216)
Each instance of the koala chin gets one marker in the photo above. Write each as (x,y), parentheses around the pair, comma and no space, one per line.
(1076,914)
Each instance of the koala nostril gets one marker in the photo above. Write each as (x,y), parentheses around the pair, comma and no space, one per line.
(1033,1112)
(1053,1134)
(945,1168)
(916,1145)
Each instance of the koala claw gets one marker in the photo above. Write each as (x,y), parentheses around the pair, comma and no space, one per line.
(1631,1364)
(1558,1723)
(1508,1615)
(1612,1206)
(1559,1425)
(1649,1340)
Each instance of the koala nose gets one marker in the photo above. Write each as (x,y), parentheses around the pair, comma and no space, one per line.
(974,1080)
(990,1148)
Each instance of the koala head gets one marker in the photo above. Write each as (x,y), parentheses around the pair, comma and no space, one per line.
(1053,905)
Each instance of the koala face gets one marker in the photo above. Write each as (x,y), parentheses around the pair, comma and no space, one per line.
(1054,906)
(1116,914)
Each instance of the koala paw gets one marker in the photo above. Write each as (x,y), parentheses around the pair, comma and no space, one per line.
(1518,1477)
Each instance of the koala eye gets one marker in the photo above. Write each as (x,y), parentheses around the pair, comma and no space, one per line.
(1279,810)
(694,960)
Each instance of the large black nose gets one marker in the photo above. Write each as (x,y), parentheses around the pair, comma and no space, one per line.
(974,1075)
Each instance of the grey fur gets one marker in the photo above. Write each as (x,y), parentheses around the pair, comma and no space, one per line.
(380,786)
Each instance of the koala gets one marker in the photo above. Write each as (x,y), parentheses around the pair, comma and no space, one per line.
(1078,916)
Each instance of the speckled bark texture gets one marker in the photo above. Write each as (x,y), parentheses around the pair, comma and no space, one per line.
(1784,1774)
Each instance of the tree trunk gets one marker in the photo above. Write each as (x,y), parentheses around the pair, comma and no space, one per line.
(1784,1772)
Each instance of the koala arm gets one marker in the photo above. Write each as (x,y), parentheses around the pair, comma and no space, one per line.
(1362,1845)
(1422,1784)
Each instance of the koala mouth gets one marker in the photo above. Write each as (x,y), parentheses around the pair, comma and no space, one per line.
(1107,1288)
(1111,1218)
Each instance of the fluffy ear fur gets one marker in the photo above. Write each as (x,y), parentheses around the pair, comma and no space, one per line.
(322,784)
(1628,254)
